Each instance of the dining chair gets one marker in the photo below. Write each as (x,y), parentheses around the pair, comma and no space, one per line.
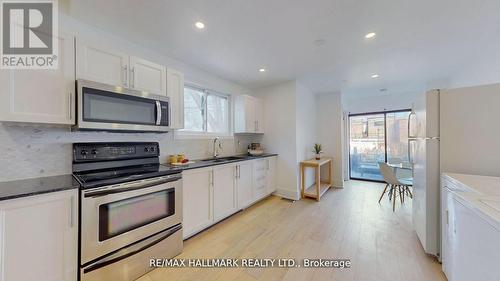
(397,186)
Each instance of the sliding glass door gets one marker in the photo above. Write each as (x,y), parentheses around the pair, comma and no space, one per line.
(367,146)
(374,138)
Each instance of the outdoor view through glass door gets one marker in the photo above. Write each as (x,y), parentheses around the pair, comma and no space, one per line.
(374,138)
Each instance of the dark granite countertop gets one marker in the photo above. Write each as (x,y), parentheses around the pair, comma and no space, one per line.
(35,186)
(202,164)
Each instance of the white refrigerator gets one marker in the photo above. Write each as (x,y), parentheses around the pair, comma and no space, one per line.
(423,150)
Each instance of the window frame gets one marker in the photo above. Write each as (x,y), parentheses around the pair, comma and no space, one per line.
(187,134)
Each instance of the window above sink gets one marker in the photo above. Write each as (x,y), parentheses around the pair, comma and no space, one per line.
(207,114)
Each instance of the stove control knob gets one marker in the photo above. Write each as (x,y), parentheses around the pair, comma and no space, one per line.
(152,149)
(94,151)
(146,149)
(84,152)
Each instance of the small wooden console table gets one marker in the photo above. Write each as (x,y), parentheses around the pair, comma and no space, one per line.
(319,187)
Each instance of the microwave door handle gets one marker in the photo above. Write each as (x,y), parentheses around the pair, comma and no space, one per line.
(158,113)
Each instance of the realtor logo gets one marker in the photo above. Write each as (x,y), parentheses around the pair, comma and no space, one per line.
(29,35)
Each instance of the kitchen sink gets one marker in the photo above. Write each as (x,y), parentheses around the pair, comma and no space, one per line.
(222,159)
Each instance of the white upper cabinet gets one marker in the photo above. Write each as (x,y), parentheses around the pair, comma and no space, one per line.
(148,76)
(102,65)
(41,96)
(40,237)
(224,191)
(175,91)
(259,116)
(109,66)
(249,115)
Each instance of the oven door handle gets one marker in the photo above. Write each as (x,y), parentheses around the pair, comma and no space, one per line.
(132,249)
(130,186)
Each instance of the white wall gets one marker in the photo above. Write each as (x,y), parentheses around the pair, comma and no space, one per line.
(377,103)
(35,151)
(280,134)
(329,131)
(306,130)
(470,134)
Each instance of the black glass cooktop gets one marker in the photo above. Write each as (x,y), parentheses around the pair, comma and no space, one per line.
(96,178)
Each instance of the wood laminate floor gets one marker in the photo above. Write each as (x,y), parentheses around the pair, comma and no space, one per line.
(347,224)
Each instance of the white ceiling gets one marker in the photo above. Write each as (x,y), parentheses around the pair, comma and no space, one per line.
(419,44)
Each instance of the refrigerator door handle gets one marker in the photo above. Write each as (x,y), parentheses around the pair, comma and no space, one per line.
(412,113)
(410,152)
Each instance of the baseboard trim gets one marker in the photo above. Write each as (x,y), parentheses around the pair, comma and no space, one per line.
(338,184)
(287,193)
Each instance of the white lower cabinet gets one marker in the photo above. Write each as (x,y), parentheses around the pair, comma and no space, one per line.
(264,177)
(244,179)
(224,191)
(39,238)
(260,168)
(476,246)
(271,174)
(214,193)
(197,200)
(445,226)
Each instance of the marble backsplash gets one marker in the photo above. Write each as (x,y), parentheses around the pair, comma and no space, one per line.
(28,151)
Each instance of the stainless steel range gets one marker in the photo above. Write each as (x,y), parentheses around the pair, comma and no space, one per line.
(130,209)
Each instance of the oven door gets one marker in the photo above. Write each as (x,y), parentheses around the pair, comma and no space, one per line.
(105,107)
(113,217)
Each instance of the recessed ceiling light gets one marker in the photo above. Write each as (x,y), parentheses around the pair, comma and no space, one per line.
(262,70)
(375,75)
(370,35)
(199,25)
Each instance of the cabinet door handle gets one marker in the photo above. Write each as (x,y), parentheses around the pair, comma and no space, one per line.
(125,76)
(447,218)
(132,77)
(239,171)
(71,207)
(70,105)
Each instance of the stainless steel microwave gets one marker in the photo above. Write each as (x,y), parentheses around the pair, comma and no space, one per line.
(105,107)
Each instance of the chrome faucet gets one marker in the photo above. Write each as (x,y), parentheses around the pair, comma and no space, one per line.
(216,152)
